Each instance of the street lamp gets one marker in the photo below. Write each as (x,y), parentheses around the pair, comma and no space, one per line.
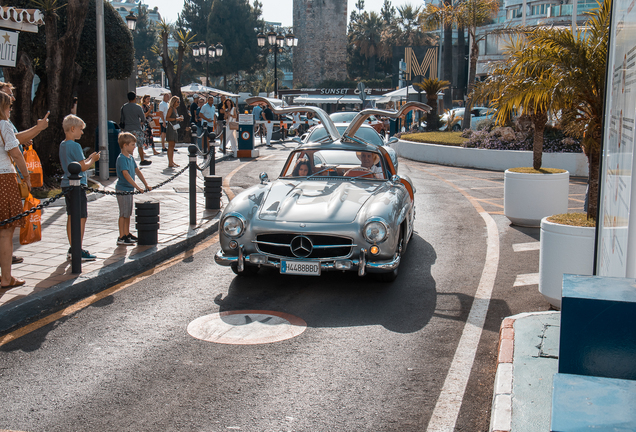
(278,42)
(207,54)
(131,21)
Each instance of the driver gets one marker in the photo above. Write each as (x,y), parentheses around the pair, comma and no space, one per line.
(302,168)
(370,161)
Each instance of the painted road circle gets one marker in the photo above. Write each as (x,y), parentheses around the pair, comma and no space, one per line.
(246,327)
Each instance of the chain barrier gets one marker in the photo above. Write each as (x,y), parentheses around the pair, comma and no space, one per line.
(40,206)
(105,192)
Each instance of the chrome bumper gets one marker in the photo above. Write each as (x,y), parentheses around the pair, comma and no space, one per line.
(362,265)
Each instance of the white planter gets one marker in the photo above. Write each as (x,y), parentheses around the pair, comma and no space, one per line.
(563,249)
(528,198)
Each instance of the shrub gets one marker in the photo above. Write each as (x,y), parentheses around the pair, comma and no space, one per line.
(555,140)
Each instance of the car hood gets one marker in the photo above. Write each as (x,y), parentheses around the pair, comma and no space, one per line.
(317,201)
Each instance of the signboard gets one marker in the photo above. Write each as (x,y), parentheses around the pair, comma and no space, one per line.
(8,48)
(246,119)
(616,253)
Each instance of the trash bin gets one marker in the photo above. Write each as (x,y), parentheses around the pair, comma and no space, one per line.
(113,147)
(246,136)
(147,222)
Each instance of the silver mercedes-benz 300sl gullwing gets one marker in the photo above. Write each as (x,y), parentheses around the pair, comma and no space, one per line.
(338,204)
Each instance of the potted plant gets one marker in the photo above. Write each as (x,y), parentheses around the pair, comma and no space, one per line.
(567,246)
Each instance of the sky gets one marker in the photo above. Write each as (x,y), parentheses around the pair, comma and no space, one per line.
(273,10)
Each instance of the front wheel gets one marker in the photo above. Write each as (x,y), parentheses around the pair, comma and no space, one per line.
(393,274)
(457,128)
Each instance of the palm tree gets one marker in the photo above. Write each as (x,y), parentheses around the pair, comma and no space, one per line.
(432,86)
(566,74)
(366,36)
(472,14)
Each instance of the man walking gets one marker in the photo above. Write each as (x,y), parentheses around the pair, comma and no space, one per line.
(131,120)
(220,123)
(206,115)
(269,126)
(163,110)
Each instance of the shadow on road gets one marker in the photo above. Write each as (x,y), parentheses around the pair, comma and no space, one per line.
(338,299)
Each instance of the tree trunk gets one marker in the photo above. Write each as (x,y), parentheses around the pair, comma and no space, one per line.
(474,54)
(432,118)
(461,63)
(539,120)
(593,160)
(174,81)
(57,89)
(372,67)
(447,70)
(21,76)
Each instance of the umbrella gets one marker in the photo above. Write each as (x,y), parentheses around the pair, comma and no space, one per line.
(155,91)
(199,88)
(398,94)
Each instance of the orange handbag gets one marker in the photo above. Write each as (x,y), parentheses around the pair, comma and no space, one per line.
(31,232)
(34,166)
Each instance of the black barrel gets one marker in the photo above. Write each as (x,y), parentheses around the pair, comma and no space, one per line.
(147,222)
(213,190)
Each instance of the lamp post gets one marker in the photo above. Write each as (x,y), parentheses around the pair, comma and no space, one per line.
(277,42)
(207,55)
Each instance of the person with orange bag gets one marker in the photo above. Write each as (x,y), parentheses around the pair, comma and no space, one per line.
(23,137)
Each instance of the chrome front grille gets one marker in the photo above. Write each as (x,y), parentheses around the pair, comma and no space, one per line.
(307,246)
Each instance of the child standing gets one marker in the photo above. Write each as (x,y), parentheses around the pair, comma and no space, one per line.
(71,151)
(126,170)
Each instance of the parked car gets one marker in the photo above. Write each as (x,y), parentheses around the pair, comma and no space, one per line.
(338,204)
(346,117)
(366,133)
(478,114)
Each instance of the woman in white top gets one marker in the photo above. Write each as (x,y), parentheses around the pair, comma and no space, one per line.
(10,201)
(231,115)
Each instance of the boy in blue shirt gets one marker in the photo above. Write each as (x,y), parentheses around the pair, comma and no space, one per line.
(126,170)
(71,151)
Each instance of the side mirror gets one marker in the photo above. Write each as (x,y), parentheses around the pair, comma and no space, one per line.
(395,179)
(297,140)
(264,178)
(393,140)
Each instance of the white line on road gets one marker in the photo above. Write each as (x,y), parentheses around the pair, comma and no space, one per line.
(523,247)
(527,279)
(450,399)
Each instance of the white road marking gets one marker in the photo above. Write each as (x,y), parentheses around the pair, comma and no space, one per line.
(449,402)
(527,279)
(523,247)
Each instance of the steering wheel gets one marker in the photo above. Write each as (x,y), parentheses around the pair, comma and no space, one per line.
(361,172)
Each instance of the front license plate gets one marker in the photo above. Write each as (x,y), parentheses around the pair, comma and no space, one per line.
(306,268)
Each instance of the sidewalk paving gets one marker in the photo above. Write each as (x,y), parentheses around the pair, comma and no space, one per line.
(47,271)
(527,362)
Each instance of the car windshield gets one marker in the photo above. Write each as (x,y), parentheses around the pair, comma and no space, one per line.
(334,163)
(366,133)
(342,117)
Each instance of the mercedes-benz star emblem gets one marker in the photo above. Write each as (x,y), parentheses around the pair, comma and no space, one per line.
(301,246)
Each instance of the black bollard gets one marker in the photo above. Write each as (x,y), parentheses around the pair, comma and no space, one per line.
(193,130)
(192,149)
(212,154)
(212,190)
(147,222)
(74,181)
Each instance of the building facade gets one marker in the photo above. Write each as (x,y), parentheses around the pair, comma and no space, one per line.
(321,29)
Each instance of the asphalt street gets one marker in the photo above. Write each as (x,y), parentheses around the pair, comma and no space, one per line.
(368,356)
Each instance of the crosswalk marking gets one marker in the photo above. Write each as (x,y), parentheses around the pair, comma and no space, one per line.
(523,247)
(527,279)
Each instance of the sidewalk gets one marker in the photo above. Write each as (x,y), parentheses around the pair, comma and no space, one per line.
(47,271)
(527,362)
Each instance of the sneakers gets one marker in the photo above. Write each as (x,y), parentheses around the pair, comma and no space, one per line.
(125,241)
(132,237)
(86,255)
(145,162)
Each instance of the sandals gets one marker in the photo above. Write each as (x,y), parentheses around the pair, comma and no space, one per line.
(14,283)
(16,259)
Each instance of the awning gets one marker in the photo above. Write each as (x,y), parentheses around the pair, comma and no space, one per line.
(400,94)
(200,88)
(326,99)
(21,19)
(154,91)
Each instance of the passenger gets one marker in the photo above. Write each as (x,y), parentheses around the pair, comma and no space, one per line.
(302,168)
(371,161)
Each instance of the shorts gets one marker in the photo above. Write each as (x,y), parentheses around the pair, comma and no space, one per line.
(163,128)
(125,203)
(83,202)
(140,136)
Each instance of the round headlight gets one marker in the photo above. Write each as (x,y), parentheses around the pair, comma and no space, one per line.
(375,231)
(233,226)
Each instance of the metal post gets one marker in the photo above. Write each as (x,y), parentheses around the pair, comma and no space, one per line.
(212,147)
(102,113)
(192,149)
(74,181)
(275,72)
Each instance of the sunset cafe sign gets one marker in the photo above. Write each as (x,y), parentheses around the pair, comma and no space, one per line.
(12,22)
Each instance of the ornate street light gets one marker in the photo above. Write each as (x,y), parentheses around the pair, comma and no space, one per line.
(207,54)
(277,42)
(131,21)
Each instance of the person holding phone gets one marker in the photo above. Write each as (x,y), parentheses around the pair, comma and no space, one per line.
(172,119)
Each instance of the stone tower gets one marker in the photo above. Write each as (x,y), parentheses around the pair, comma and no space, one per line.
(321,29)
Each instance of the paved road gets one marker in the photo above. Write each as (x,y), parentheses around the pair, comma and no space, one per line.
(373,356)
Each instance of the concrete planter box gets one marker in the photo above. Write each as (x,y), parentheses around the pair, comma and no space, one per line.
(563,249)
(497,160)
(528,198)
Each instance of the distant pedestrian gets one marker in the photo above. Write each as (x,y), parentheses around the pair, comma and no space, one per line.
(126,170)
(10,201)
(269,126)
(207,115)
(220,124)
(163,110)
(193,108)
(150,140)
(132,120)
(231,116)
(172,121)
(71,151)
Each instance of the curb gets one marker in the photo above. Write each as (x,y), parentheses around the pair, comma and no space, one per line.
(501,413)
(19,312)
